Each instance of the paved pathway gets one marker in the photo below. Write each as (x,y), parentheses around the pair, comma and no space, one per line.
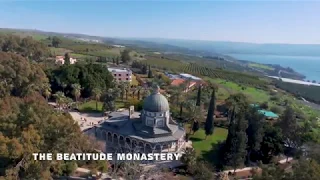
(86,120)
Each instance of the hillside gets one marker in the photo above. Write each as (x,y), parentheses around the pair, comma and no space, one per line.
(244,48)
(203,53)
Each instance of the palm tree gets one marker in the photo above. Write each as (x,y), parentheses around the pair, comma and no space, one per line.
(96,93)
(122,87)
(139,88)
(47,91)
(60,98)
(63,85)
(127,89)
(76,92)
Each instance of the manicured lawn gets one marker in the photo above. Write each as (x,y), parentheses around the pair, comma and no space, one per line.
(90,106)
(261,66)
(202,145)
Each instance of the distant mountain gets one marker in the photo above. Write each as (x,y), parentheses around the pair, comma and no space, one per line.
(242,47)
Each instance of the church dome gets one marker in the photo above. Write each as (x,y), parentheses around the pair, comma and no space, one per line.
(156,102)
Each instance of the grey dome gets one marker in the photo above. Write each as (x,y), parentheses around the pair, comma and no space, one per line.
(156,102)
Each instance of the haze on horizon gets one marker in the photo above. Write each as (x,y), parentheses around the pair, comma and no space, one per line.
(294,22)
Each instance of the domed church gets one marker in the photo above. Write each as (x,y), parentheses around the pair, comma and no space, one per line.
(151,130)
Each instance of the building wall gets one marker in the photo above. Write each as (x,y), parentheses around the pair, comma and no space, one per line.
(122,76)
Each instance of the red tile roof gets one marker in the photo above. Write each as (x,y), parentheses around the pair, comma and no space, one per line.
(177,82)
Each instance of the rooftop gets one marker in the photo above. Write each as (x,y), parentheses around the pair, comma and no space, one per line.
(119,70)
(268,113)
(189,76)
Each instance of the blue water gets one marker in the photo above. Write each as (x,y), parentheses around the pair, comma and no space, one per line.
(306,65)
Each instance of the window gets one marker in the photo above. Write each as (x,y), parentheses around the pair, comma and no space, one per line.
(127,79)
(159,122)
(119,74)
(127,74)
(119,79)
(149,121)
(115,74)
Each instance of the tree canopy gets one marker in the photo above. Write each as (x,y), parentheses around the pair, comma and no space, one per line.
(88,76)
(26,47)
(19,76)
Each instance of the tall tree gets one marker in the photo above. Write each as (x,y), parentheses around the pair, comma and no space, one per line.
(96,93)
(199,96)
(139,88)
(113,61)
(117,61)
(150,75)
(272,143)
(46,91)
(56,41)
(254,131)
(60,99)
(235,147)
(76,91)
(144,69)
(209,121)
(125,56)
(289,127)
(195,126)
(109,98)
(67,59)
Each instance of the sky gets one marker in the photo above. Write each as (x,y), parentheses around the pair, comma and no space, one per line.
(294,22)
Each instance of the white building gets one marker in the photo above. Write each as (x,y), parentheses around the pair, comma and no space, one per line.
(60,60)
(124,75)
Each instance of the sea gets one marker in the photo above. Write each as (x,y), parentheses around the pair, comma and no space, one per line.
(306,65)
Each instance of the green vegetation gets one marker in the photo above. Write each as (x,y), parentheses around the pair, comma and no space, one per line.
(260,66)
(202,145)
(310,93)
(90,106)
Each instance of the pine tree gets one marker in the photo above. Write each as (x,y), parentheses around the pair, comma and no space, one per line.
(117,61)
(209,121)
(66,59)
(150,73)
(198,96)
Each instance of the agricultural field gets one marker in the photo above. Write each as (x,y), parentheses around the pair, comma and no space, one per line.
(59,51)
(254,94)
(164,63)
(260,66)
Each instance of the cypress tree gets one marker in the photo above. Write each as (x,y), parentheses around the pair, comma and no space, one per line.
(66,59)
(236,143)
(195,126)
(113,61)
(150,73)
(198,96)
(209,121)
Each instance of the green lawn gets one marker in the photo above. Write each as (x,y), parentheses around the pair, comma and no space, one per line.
(261,66)
(202,145)
(90,106)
